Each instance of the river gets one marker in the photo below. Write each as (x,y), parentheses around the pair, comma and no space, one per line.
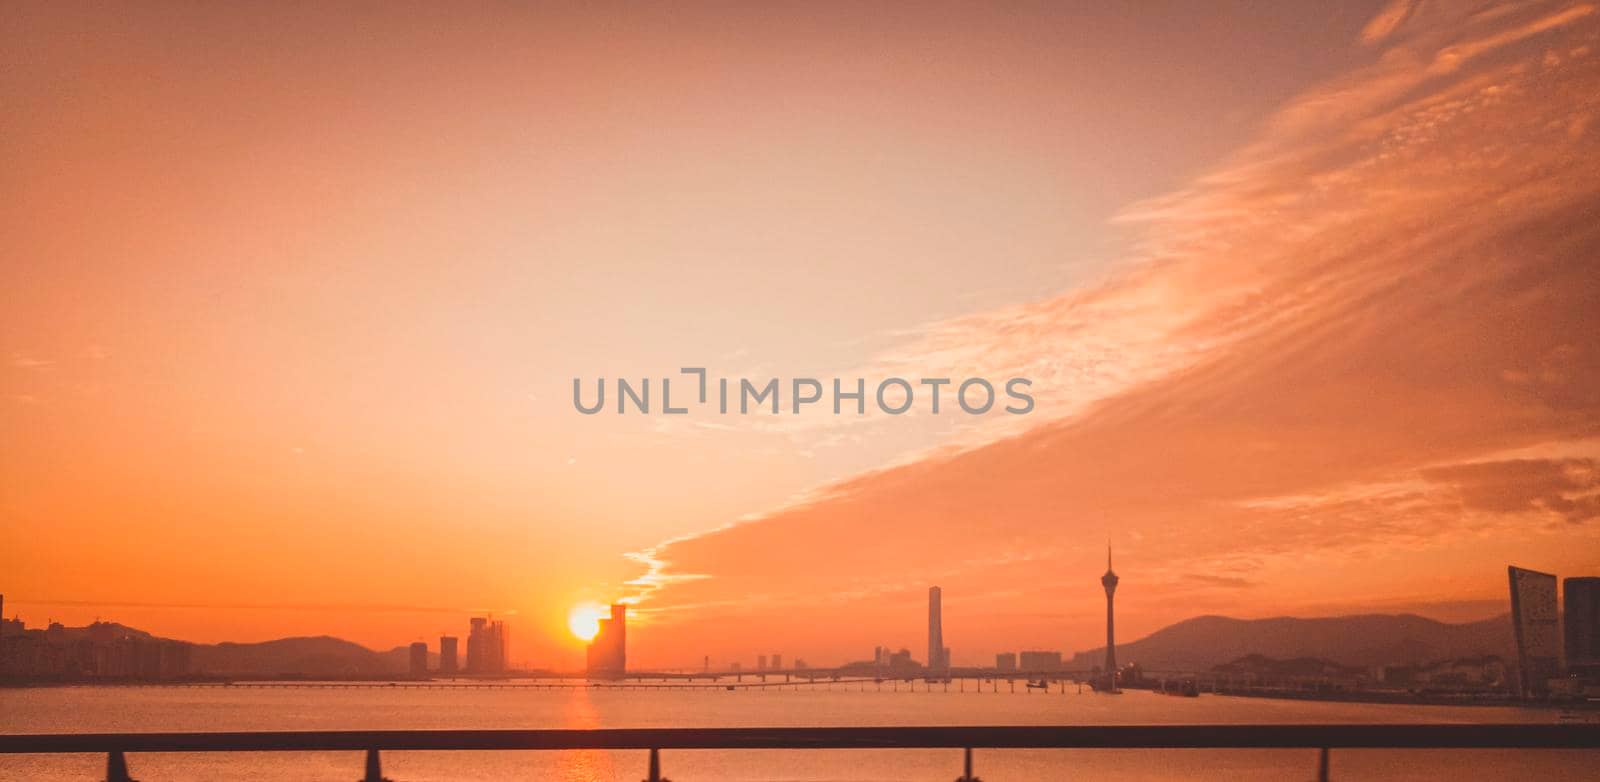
(124,709)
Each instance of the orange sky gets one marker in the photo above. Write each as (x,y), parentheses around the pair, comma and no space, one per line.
(293,299)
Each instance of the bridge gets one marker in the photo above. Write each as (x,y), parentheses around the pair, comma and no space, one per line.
(1322,738)
(769,681)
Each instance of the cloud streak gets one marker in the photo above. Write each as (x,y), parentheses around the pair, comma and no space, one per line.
(1311,365)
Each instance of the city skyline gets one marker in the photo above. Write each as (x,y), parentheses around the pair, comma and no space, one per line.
(1307,326)
(488,641)
(1554,638)
(1553,635)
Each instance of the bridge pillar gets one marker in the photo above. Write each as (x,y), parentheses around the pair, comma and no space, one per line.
(117,767)
(1322,765)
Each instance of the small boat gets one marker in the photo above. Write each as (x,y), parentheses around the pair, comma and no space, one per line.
(1038,684)
(1184,689)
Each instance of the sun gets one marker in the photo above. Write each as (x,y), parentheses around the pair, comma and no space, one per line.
(584,620)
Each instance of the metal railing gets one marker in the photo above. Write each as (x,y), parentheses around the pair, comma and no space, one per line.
(1324,738)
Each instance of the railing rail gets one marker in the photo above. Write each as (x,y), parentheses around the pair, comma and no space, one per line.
(1298,736)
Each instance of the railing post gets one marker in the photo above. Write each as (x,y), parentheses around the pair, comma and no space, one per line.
(374,768)
(966,767)
(117,767)
(655,767)
(1322,765)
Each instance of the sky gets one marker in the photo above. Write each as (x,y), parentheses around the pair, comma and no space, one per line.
(294,297)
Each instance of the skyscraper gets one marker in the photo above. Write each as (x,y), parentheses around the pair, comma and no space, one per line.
(419,659)
(487,643)
(476,644)
(608,651)
(447,654)
(936,661)
(1582,623)
(1537,625)
(1109,581)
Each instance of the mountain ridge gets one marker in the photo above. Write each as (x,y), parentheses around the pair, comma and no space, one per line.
(1206,641)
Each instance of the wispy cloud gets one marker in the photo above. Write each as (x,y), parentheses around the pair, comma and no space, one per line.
(24,361)
(1313,360)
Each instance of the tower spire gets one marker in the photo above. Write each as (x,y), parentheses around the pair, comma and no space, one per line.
(1109,581)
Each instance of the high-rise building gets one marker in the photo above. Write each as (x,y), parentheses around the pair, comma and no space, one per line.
(761,662)
(477,643)
(419,659)
(487,643)
(608,650)
(1582,623)
(447,654)
(1537,624)
(777,662)
(1005,661)
(1109,581)
(936,659)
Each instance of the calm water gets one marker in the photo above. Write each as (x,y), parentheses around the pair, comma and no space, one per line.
(95,709)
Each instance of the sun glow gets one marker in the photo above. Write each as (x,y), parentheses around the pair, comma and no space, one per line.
(584,619)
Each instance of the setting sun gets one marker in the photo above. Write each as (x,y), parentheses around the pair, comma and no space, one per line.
(584,620)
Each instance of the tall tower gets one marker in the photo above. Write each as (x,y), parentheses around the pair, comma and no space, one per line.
(1109,581)
(936,661)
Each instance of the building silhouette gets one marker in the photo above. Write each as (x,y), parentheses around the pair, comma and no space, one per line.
(1537,624)
(487,641)
(102,650)
(936,651)
(1109,581)
(8,626)
(1005,661)
(1039,661)
(419,659)
(777,662)
(898,661)
(608,651)
(1582,626)
(447,654)
(761,662)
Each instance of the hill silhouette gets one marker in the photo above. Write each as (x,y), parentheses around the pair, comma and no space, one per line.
(1204,642)
(313,656)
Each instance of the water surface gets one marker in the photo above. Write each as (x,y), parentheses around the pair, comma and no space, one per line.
(126,709)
